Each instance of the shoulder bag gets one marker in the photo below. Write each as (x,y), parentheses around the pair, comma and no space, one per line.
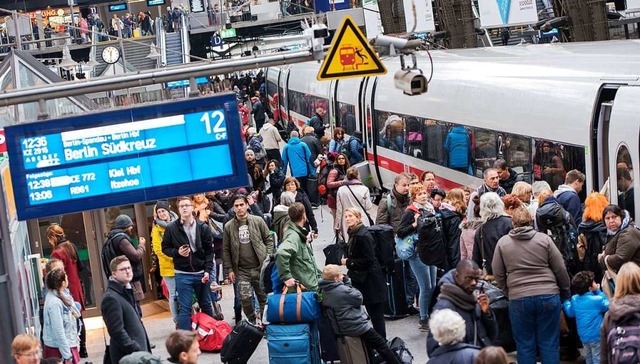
(362,207)
(608,284)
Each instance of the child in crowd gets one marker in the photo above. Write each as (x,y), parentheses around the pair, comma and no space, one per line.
(588,306)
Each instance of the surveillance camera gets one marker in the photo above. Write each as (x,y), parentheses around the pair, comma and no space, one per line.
(411,82)
(399,44)
(316,36)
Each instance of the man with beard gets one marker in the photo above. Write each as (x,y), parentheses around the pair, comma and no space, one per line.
(457,294)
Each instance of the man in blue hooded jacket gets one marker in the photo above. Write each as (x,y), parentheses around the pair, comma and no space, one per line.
(297,155)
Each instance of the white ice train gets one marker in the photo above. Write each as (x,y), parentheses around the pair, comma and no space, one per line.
(545,109)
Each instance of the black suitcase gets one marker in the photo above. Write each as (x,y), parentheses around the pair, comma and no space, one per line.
(328,344)
(238,347)
(396,306)
(312,188)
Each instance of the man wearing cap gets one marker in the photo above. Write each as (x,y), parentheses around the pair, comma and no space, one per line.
(120,237)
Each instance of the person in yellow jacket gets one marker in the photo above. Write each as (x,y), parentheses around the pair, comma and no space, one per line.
(162,216)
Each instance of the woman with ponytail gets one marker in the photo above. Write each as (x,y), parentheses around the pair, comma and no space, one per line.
(67,252)
(60,329)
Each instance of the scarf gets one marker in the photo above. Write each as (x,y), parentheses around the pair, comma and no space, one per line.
(352,230)
(459,297)
(172,216)
(426,207)
(402,199)
(625,223)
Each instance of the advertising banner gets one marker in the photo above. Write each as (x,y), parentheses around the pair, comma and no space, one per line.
(500,13)
(424,16)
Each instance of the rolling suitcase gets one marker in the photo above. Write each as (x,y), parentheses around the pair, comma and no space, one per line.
(240,344)
(396,306)
(352,350)
(329,351)
(293,344)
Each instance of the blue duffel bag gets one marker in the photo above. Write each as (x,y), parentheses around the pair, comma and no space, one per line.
(293,307)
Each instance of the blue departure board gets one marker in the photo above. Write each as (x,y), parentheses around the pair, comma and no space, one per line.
(125,156)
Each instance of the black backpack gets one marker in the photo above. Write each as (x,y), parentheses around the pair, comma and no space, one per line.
(624,341)
(565,237)
(385,246)
(430,245)
(109,252)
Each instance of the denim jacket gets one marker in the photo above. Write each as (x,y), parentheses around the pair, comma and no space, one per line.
(60,329)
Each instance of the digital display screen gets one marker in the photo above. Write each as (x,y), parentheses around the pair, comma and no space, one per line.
(126,156)
(155,2)
(118,7)
(183,83)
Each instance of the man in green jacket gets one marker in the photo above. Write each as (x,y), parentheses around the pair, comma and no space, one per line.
(246,242)
(295,259)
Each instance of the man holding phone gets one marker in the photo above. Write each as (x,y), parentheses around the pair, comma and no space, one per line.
(190,243)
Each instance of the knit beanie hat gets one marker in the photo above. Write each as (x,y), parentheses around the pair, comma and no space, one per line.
(162,204)
(122,222)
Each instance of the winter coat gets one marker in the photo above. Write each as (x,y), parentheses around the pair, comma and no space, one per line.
(261,240)
(479,192)
(596,235)
(270,136)
(345,199)
(276,181)
(481,329)
(451,221)
(302,197)
(398,204)
(622,247)
(569,200)
(60,328)
(337,146)
(508,183)
(488,235)
(73,276)
(280,220)
(620,310)
(335,180)
(454,354)
(298,156)
(458,147)
(295,258)
(355,148)
(317,124)
(124,246)
(121,314)
(527,263)
(344,308)
(362,262)
(314,145)
(199,260)
(157,232)
(588,309)
(258,112)
(467,234)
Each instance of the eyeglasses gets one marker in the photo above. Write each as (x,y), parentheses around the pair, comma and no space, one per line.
(124,269)
(184,206)
(32,354)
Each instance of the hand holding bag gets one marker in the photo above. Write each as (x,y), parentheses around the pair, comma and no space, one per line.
(334,252)
(293,307)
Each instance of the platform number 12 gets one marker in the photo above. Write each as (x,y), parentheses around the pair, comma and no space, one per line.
(215,117)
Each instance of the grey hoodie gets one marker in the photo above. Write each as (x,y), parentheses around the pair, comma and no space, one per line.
(344,308)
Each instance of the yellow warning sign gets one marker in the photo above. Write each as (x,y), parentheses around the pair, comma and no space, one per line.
(350,55)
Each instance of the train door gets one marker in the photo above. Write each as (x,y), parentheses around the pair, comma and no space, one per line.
(334,108)
(366,114)
(623,152)
(283,86)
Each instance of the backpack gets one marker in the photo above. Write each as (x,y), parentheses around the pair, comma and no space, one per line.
(430,245)
(109,252)
(211,332)
(325,167)
(565,237)
(384,238)
(256,145)
(624,341)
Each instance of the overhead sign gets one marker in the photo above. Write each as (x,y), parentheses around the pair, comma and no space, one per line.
(196,6)
(350,55)
(118,7)
(184,83)
(424,16)
(499,13)
(227,33)
(126,156)
(155,2)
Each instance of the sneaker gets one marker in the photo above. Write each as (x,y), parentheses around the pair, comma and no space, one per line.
(423,325)
(411,310)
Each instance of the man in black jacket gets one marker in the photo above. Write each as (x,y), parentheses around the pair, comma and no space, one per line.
(189,242)
(121,313)
(508,177)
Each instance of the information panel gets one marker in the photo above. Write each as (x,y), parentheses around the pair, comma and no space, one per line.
(126,156)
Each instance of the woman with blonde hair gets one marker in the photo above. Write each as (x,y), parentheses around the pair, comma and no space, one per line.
(592,234)
(523,191)
(624,308)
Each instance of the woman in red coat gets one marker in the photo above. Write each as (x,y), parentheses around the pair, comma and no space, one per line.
(68,254)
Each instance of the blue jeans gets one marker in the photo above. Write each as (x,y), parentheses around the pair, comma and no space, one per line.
(173,297)
(187,285)
(426,277)
(411,287)
(592,352)
(535,321)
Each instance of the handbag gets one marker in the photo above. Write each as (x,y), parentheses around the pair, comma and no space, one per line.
(362,207)
(405,247)
(608,284)
(216,228)
(295,307)
(334,253)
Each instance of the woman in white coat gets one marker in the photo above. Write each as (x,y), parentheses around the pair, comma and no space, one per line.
(352,194)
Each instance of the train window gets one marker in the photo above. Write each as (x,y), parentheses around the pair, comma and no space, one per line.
(552,161)
(305,104)
(391,131)
(516,150)
(433,134)
(486,149)
(624,176)
(346,118)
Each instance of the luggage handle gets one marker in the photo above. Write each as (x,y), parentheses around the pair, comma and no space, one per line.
(299,288)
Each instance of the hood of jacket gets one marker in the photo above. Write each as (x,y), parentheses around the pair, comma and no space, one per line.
(592,227)
(624,306)
(625,223)
(294,141)
(459,130)
(471,223)
(172,216)
(327,285)
(113,232)
(448,277)
(562,189)
(522,233)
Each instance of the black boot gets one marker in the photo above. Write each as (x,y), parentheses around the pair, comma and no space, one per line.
(83,353)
